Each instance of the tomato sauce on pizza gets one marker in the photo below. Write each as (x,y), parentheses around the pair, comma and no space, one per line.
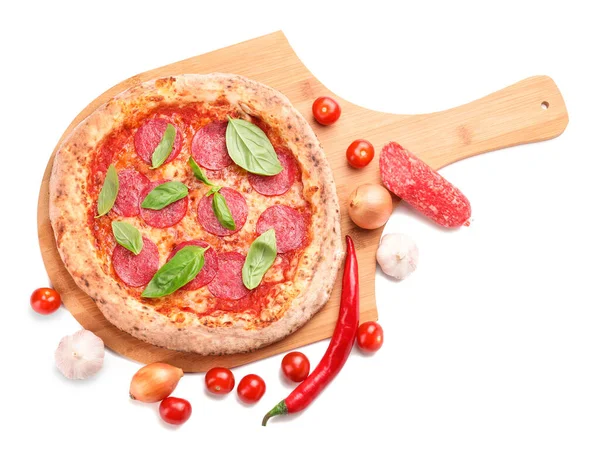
(200,133)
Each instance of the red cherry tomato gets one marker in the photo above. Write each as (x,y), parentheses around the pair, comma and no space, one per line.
(45,300)
(175,410)
(370,337)
(219,380)
(251,388)
(360,153)
(326,110)
(295,366)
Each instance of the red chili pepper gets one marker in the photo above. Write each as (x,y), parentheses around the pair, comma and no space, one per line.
(339,347)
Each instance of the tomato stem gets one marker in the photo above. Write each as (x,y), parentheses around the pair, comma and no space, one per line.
(279,409)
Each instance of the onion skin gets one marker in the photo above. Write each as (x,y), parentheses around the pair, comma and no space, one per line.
(370,206)
(154,382)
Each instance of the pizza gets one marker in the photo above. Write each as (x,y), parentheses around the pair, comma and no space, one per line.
(199,212)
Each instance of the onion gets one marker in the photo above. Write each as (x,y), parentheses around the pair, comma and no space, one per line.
(154,382)
(370,206)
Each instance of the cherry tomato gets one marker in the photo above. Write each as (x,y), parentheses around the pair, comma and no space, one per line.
(175,410)
(251,388)
(295,366)
(219,380)
(45,300)
(370,337)
(326,110)
(360,153)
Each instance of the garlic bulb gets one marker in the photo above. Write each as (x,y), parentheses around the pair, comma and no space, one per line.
(79,355)
(397,255)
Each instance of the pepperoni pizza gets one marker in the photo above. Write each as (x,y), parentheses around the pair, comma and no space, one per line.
(199,212)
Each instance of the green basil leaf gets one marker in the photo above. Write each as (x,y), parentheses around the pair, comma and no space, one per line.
(221,210)
(260,258)
(109,191)
(213,190)
(176,273)
(198,172)
(165,147)
(249,147)
(165,194)
(128,236)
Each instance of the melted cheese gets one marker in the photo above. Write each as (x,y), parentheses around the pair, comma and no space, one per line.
(183,306)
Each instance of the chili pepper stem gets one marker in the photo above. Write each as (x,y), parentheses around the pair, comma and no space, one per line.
(279,409)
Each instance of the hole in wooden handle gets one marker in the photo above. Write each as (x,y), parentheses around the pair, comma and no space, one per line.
(545,105)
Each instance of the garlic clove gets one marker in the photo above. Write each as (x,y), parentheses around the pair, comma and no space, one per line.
(397,255)
(80,355)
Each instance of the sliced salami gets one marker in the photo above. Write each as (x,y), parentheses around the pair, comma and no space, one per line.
(131,185)
(228,283)
(289,225)
(209,270)
(209,148)
(236,204)
(281,182)
(136,270)
(149,135)
(423,188)
(166,217)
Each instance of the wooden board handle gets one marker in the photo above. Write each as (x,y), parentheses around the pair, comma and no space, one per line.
(528,111)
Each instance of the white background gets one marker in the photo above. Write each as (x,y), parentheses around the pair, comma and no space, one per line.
(492,348)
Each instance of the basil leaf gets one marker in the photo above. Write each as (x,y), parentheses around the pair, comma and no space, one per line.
(109,191)
(222,211)
(176,273)
(165,147)
(261,256)
(128,236)
(249,147)
(198,172)
(213,190)
(165,194)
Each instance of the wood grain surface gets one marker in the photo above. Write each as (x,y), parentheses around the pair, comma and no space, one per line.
(530,110)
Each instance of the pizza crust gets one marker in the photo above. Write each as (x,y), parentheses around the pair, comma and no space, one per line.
(69,207)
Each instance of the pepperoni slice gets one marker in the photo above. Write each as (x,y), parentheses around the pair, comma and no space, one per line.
(237,206)
(149,135)
(281,182)
(209,270)
(228,283)
(136,270)
(209,148)
(289,225)
(131,185)
(166,217)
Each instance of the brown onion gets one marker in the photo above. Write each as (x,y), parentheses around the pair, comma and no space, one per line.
(370,206)
(154,382)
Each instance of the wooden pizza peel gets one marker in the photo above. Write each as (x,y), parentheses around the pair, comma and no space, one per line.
(528,111)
